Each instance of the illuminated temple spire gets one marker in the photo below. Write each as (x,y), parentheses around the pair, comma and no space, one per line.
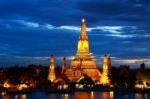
(104,77)
(51,75)
(83,58)
(83,30)
(83,62)
(83,45)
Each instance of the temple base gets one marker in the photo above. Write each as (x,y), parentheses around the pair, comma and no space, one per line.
(75,74)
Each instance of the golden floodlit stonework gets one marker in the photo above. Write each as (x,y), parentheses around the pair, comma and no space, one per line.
(51,74)
(104,80)
(83,63)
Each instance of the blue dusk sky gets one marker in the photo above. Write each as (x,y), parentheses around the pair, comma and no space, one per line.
(32,30)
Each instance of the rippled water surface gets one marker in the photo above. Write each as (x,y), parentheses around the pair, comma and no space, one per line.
(77,95)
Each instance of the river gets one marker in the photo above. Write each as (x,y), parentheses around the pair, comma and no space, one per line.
(77,95)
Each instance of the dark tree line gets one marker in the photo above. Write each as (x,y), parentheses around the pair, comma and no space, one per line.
(122,77)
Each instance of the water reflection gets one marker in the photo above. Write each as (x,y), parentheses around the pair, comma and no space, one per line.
(92,95)
(11,96)
(52,96)
(125,96)
(141,96)
(6,97)
(65,96)
(111,94)
(107,95)
(82,95)
(22,96)
(77,95)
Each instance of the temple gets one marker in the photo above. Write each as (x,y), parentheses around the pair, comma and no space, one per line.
(104,80)
(83,63)
(51,74)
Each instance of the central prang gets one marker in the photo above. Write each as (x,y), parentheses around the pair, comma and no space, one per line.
(83,63)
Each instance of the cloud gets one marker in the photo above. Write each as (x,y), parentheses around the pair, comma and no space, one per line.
(73,28)
(116,31)
(111,29)
(67,58)
(28,23)
(127,61)
(132,61)
(49,26)
(118,61)
(122,36)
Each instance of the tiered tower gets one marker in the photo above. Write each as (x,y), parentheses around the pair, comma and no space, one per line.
(51,75)
(63,66)
(83,62)
(104,77)
(83,58)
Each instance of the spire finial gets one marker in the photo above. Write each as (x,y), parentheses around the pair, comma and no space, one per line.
(83,20)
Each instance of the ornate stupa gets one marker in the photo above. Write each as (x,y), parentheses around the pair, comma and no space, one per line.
(83,62)
(51,74)
(104,80)
(63,66)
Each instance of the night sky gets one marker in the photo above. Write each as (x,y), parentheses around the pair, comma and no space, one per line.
(32,30)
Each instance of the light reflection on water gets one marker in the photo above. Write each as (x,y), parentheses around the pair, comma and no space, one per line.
(21,96)
(77,95)
(141,96)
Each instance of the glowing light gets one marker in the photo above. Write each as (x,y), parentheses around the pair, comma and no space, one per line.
(65,96)
(65,86)
(111,95)
(3,93)
(83,20)
(141,86)
(22,86)
(6,85)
